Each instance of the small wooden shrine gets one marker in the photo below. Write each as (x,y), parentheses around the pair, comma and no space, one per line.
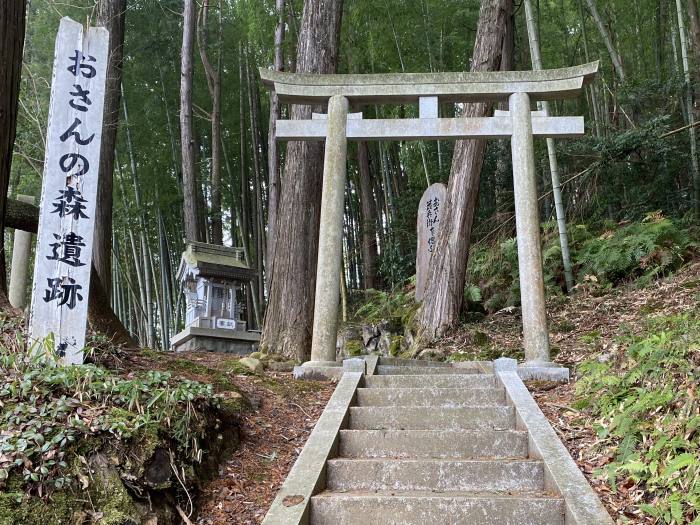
(215,281)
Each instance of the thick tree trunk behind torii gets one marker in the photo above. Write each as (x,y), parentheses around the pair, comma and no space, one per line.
(369,218)
(289,316)
(445,290)
(12,23)
(110,14)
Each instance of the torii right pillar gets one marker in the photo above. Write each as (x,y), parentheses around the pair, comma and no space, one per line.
(527,221)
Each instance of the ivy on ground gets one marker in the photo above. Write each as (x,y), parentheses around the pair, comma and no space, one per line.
(47,410)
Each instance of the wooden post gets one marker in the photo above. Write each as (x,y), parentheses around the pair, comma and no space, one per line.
(330,243)
(68,198)
(21,251)
(527,221)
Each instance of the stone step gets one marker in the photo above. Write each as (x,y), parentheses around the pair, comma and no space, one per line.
(428,418)
(406,475)
(456,444)
(431,381)
(384,370)
(433,397)
(397,361)
(429,508)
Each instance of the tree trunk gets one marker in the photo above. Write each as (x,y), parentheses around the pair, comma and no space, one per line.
(189,180)
(533,37)
(695,40)
(289,316)
(273,161)
(503,177)
(614,55)
(214,83)
(689,108)
(258,176)
(591,87)
(12,25)
(445,290)
(369,218)
(110,14)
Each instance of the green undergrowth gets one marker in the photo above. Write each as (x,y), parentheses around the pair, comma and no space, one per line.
(607,255)
(647,416)
(59,422)
(399,307)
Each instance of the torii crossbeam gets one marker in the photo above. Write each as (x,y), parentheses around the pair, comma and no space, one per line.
(428,90)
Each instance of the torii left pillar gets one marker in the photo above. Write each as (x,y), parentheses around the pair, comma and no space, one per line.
(330,241)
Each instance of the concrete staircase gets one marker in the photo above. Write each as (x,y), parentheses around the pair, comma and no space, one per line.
(427,443)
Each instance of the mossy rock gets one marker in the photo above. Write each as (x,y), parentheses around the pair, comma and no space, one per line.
(395,346)
(105,492)
(17,507)
(354,348)
(109,495)
(254,365)
(238,368)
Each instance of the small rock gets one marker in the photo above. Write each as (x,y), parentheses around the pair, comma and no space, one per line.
(432,354)
(255,365)
(285,366)
(508,310)
(369,332)
(384,344)
(604,358)
(408,337)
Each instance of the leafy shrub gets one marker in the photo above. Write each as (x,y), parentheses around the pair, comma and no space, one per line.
(647,249)
(46,410)
(398,306)
(648,417)
(618,253)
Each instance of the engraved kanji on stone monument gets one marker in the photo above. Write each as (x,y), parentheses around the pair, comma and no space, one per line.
(429,212)
(68,197)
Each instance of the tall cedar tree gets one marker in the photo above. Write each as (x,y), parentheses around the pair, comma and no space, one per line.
(289,316)
(12,25)
(110,14)
(444,293)
(193,221)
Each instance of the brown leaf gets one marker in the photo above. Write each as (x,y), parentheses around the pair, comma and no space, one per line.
(291,501)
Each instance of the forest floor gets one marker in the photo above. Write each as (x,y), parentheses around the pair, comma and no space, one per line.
(282,412)
(279,415)
(587,325)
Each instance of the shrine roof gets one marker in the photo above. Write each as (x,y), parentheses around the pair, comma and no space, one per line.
(546,84)
(210,260)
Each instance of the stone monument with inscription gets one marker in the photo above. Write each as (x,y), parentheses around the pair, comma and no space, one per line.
(429,211)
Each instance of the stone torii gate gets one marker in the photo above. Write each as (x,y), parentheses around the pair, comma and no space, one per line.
(521,124)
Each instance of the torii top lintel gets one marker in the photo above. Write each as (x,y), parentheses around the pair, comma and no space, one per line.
(547,84)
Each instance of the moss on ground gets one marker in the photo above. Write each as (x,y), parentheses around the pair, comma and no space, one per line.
(220,379)
(290,389)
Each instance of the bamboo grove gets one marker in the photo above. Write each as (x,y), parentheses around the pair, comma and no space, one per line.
(639,154)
